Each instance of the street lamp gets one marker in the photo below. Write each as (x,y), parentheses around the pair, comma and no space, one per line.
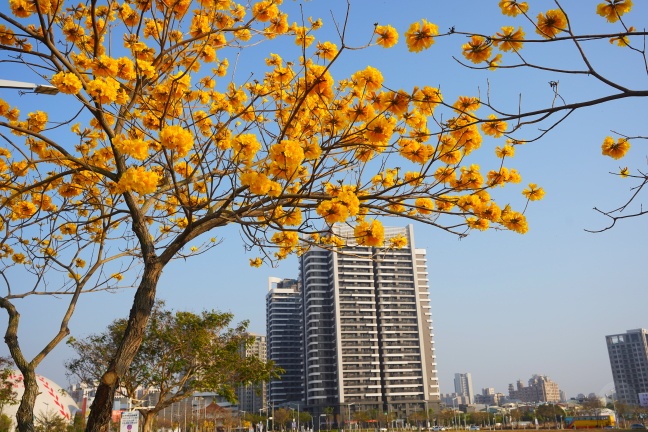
(349,412)
(36,88)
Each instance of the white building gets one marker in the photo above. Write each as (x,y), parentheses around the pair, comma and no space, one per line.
(629,362)
(463,386)
(368,341)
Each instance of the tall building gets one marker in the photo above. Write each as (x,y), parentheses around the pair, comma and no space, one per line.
(368,328)
(285,344)
(540,389)
(252,398)
(463,386)
(629,361)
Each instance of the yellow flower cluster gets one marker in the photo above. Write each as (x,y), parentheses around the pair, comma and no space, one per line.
(615,150)
(612,10)
(287,242)
(513,8)
(478,49)
(421,35)
(104,90)
(177,139)
(369,233)
(67,82)
(551,23)
(344,204)
(387,36)
(23,210)
(533,193)
(139,180)
(260,184)
(137,148)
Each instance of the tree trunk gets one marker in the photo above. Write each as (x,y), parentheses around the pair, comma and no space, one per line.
(101,408)
(149,417)
(25,413)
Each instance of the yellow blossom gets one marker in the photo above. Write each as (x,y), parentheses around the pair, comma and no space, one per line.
(420,36)
(67,82)
(387,36)
(177,139)
(513,7)
(477,49)
(398,242)
(551,23)
(533,193)
(615,150)
(509,39)
(612,10)
(23,209)
(369,233)
(138,179)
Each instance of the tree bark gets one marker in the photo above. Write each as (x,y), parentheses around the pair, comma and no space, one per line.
(25,413)
(149,416)
(101,408)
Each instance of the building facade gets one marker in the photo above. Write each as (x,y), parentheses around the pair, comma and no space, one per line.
(368,342)
(252,398)
(540,389)
(629,362)
(463,386)
(284,326)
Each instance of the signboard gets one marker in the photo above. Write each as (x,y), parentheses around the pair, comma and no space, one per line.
(643,399)
(129,421)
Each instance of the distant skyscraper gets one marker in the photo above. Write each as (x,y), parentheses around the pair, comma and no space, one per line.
(629,361)
(368,328)
(285,344)
(463,386)
(253,397)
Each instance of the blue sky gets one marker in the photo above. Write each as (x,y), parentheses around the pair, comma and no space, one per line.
(505,306)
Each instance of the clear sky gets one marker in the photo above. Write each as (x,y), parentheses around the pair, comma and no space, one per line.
(505,306)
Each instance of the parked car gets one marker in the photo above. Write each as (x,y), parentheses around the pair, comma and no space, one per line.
(474,427)
(437,428)
(638,426)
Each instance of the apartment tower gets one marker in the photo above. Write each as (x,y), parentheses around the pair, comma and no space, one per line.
(285,343)
(629,361)
(252,397)
(368,329)
(463,386)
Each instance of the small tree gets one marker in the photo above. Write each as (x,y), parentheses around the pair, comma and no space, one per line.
(181,353)
(281,417)
(51,421)
(7,394)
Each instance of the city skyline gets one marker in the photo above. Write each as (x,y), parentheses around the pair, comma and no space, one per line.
(504,306)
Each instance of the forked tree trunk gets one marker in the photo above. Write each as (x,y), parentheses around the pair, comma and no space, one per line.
(101,408)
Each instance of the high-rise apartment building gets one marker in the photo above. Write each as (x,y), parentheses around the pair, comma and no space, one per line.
(463,386)
(368,328)
(285,343)
(629,361)
(252,397)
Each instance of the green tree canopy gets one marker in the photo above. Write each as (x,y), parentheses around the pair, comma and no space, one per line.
(181,353)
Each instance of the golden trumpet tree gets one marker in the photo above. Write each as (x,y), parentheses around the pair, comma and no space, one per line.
(163,141)
(549,32)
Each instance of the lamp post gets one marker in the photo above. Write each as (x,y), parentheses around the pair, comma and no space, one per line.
(36,88)
(349,412)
